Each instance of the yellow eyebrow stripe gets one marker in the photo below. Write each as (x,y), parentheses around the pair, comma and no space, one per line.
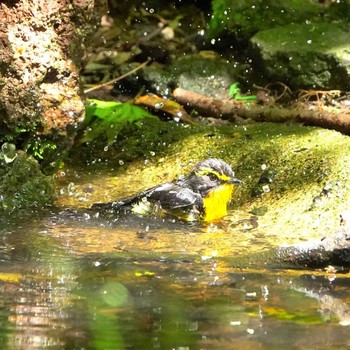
(222,177)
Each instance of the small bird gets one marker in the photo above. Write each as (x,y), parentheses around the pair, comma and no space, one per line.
(203,194)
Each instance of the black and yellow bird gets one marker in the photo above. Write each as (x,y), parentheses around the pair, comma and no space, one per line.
(202,195)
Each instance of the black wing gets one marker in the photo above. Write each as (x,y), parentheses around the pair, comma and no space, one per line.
(172,196)
(123,203)
(168,195)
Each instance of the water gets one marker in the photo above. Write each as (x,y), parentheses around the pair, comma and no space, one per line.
(72,281)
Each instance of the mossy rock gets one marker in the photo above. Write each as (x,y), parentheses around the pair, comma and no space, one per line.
(206,73)
(296,178)
(245,18)
(305,55)
(23,187)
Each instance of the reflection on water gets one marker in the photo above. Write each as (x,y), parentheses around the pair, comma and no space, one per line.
(70,282)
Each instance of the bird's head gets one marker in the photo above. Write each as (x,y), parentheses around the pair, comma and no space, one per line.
(214,180)
(210,174)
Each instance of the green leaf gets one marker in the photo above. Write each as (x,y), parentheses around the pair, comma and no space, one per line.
(100,108)
(234,90)
(108,118)
(235,93)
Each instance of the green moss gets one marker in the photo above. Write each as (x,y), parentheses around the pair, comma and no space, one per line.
(310,185)
(150,138)
(247,17)
(23,186)
(316,37)
(296,178)
(305,54)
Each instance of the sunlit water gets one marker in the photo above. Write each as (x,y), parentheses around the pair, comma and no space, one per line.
(69,280)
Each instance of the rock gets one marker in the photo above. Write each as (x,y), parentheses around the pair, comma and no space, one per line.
(42,47)
(244,18)
(303,163)
(310,55)
(23,187)
(206,73)
(332,249)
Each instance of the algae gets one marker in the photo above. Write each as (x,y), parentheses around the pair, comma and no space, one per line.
(23,187)
(304,197)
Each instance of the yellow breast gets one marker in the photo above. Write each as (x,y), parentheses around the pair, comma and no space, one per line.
(215,204)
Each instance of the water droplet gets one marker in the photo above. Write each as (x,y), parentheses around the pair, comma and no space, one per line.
(250,296)
(309,41)
(9,152)
(266,188)
(121,162)
(71,188)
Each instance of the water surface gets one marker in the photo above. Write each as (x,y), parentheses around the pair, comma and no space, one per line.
(71,280)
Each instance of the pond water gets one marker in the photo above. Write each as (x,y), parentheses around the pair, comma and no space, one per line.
(70,280)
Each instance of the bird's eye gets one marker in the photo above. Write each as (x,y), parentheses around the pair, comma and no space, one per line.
(212,177)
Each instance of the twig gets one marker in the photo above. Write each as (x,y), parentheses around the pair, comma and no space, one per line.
(119,78)
(338,119)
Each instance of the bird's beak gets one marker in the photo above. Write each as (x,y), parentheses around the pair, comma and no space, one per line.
(234,180)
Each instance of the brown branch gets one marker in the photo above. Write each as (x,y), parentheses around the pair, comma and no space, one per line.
(118,78)
(228,109)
